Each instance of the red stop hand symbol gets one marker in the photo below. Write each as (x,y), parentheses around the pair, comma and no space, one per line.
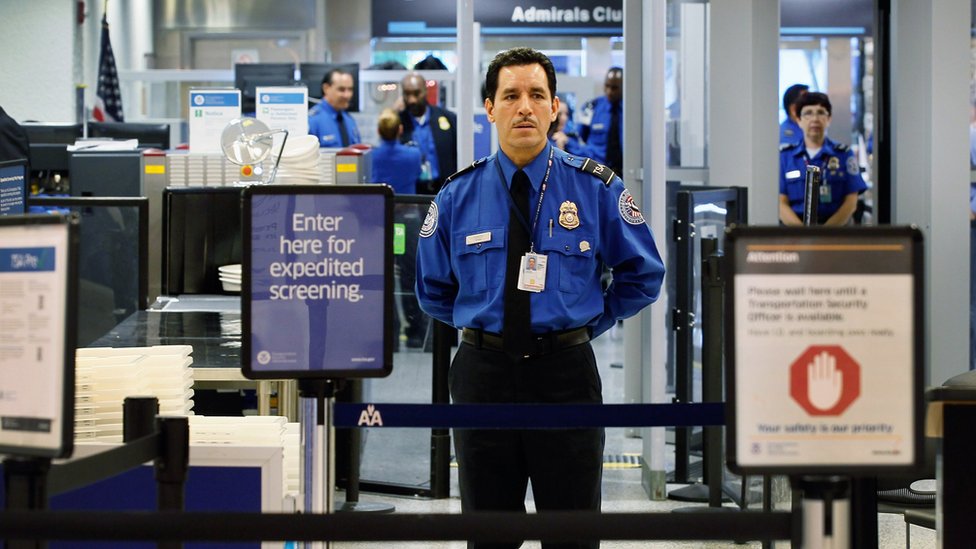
(825,380)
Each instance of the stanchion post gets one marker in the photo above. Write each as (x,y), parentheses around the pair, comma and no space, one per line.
(826,511)
(316,398)
(26,489)
(138,417)
(171,467)
(440,439)
(811,196)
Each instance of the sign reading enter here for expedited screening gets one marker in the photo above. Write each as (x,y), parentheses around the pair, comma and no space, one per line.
(317,286)
(825,352)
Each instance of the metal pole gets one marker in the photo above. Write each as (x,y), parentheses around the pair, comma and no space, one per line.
(826,512)
(811,196)
(317,458)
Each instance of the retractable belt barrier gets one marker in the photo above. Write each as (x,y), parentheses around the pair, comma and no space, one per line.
(527,416)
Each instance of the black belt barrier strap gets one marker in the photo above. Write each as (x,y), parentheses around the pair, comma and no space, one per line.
(527,416)
(551,526)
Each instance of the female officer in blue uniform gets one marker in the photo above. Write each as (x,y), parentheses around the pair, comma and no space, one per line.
(475,244)
(842,181)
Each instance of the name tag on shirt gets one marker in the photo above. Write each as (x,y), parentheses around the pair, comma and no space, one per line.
(478,238)
(793,174)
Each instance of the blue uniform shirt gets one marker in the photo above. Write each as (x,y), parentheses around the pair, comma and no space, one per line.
(790,132)
(396,164)
(594,128)
(322,124)
(461,256)
(424,139)
(841,176)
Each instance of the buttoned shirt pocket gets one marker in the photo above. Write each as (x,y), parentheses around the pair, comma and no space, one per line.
(569,260)
(480,257)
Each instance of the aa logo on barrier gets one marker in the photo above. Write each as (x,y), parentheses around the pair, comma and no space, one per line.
(370,417)
(825,380)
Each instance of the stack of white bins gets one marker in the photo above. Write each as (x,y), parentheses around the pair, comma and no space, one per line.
(253,431)
(105,376)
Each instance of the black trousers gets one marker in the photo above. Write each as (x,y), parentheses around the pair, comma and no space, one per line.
(565,466)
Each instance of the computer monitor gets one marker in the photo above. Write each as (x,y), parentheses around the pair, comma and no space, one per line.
(149,134)
(312,73)
(248,76)
(48,144)
(13,187)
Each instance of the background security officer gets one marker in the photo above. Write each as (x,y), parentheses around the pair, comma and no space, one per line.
(842,180)
(432,129)
(526,332)
(329,120)
(600,122)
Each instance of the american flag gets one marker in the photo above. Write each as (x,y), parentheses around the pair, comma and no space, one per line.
(108,103)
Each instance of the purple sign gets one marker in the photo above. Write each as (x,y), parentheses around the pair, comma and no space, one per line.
(317,281)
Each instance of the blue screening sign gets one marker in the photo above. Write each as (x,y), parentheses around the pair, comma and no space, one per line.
(13,187)
(317,289)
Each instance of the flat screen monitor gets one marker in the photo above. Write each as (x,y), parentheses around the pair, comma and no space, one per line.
(43,132)
(13,187)
(248,76)
(312,73)
(148,134)
(48,144)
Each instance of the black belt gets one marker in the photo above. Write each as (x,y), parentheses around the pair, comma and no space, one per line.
(540,344)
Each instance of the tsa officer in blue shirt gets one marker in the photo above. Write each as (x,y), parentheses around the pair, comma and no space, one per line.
(393,162)
(329,120)
(600,122)
(432,129)
(842,182)
(512,251)
(790,131)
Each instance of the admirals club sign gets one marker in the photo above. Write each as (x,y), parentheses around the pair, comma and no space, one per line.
(536,14)
(499,17)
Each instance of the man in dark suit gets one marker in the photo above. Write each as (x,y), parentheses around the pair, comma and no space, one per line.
(433,130)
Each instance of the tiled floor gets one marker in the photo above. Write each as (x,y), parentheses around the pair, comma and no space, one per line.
(621,486)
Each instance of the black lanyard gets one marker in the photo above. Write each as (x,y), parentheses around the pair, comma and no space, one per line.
(538,206)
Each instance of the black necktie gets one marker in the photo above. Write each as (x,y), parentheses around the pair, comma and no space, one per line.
(516,323)
(343,133)
(615,154)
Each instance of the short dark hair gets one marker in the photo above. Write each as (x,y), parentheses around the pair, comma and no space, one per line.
(792,94)
(327,78)
(813,98)
(514,57)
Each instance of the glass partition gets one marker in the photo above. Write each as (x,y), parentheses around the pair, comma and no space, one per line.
(112,259)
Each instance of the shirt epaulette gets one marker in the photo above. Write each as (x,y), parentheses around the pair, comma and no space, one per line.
(784,146)
(462,171)
(840,147)
(591,166)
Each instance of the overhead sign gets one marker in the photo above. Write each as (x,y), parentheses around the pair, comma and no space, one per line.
(37,342)
(824,349)
(501,17)
(209,113)
(317,295)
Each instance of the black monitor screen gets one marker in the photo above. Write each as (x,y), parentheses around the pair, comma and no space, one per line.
(248,76)
(149,135)
(48,144)
(63,134)
(312,74)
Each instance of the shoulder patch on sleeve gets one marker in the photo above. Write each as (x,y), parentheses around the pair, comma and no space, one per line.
(593,167)
(462,171)
(628,209)
(430,222)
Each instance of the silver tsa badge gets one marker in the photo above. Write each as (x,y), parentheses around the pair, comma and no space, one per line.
(568,215)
